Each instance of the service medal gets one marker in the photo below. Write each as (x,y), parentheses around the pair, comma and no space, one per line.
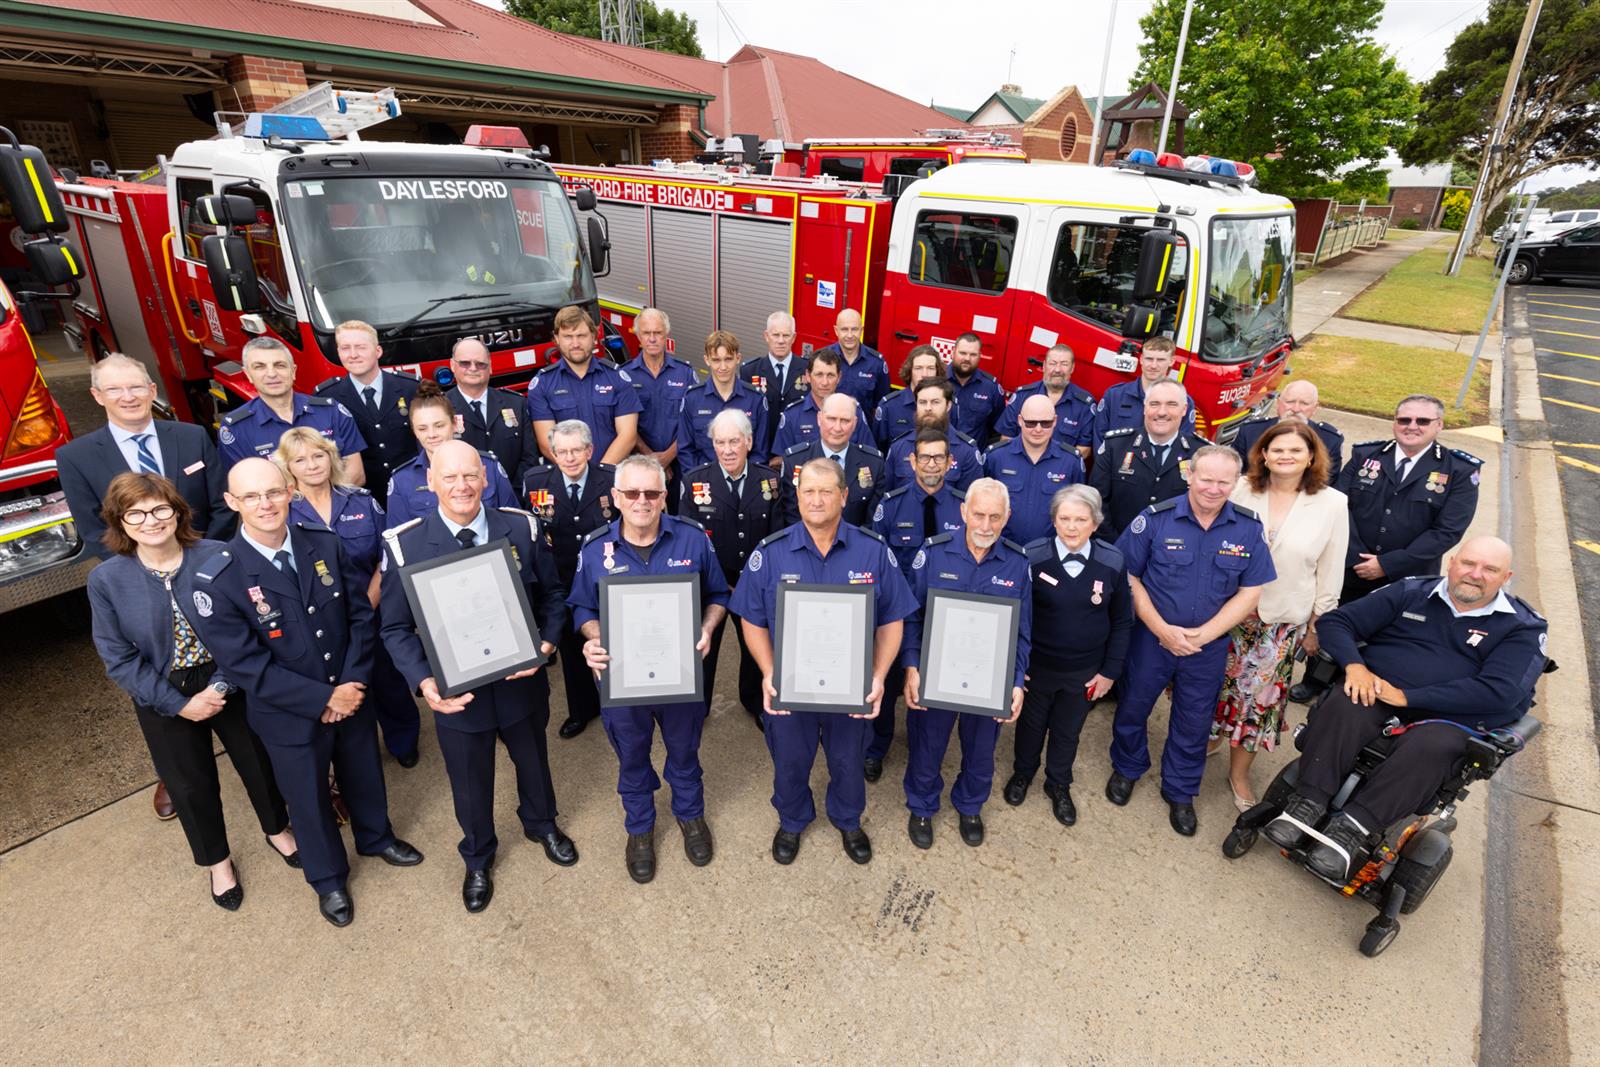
(322,573)
(461,424)
(1127,464)
(1099,589)
(605,506)
(1183,469)
(610,549)
(402,405)
(509,417)
(766,489)
(863,477)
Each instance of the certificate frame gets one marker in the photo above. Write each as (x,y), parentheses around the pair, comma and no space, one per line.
(684,618)
(795,601)
(949,625)
(433,589)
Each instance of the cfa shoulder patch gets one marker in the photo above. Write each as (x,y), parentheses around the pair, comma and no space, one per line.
(1138,524)
(877,513)
(202,604)
(919,559)
(755,560)
(624,376)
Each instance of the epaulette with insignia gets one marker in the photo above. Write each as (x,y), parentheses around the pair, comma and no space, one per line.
(1373,444)
(359,490)
(231,417)
(515,511)
(1246,512)
(321,401)
(801,447)
(937,539)
(794,403)
(1013,545)
(869,450)
(1122,431)
(1165,505)
(959,494)
(896,491)
(309,524)
(208,569)
(328,384)
(771,537)
(1330,427)
(612,467)
(687,521)
(1468,456)
(395,531)
(874,534)
(964,437)
(598,531)
(760,467)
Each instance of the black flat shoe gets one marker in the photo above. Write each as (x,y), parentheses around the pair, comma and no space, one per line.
(857,845)
(292,859)
(920,829)
(785,846)
(872,768)
(558,847)
(1016,790)
(1061,805)
(640,856)
(972,829)
(229,899)
(1119,789)
(477,889)
(337,907)
(408,760)
(1181,816)
(572,728)
(399,854)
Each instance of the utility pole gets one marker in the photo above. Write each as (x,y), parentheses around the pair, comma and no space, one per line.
(1494,145)
(621,21)
(1100,100)
(1177,65)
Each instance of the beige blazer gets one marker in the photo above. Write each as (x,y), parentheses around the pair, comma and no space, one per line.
(1308,553)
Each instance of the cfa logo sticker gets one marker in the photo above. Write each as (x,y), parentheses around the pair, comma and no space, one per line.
(202,604)
(755,561)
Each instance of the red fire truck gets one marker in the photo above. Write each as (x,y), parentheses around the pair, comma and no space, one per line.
(298,225)
(872,159)
(1024,257)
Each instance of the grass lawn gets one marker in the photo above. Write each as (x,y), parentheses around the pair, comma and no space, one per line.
(1395,233)
(1414,293)
(1370,377)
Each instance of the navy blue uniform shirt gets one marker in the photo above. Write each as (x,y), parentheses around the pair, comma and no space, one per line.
(945,562)
(979,402)
(1123,407)
(898,519)
(966,460)
(660,399)
(597,399)
(546,494)
(1031,484)
(253,429)
(681,548)
(1074,415)
(856,557)
(797,425)
(701,404)
(897,416)
(1190,571)
(867,379)
(760,375)
(409,495)
(357,518)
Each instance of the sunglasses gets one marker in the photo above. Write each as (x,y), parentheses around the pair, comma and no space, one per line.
(1038,424)
(1420,421)
(650,495)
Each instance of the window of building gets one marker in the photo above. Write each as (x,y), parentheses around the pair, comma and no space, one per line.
(963,250)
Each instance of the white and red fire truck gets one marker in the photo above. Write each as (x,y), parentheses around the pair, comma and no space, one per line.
(872,159)
(1022,256)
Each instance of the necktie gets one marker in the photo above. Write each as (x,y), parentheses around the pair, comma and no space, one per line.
(1075,557)
(147,458)
(837,457)
(930,518)
(1405,467)
(1073,563)
(737,485)
(573,494)
(284,561)
(372,400)
(477,409)
(467,538)
(777,375)
(1161,460)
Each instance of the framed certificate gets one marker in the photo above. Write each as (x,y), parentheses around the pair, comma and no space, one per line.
(822,647)
(473,616)
(969,652)
(650,625)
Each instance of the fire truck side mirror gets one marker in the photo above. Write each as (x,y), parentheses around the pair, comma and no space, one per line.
(233,275)
(599,248)
(585,198)
(53,261)
(1139,322)
(26,181)
(1158,252)
(225,210)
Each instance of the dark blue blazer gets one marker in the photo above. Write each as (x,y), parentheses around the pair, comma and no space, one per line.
(509,437)
(312,638)
(390,442)
(87,465)
(499,703)
(133,625)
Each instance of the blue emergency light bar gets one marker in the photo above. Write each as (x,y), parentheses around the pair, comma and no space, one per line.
(288,127)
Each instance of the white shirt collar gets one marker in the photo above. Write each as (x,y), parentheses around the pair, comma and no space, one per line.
(479,525)
(570,482)
(1062,549)
(1501,602)
(734,477)
(122,437)
(268,553)
(376,385)
(1160,444)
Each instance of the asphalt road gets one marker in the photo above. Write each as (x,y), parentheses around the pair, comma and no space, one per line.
(1565,319)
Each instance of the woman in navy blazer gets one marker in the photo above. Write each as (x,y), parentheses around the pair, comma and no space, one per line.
(151,650)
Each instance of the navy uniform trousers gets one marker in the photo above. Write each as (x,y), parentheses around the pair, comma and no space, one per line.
(792,739)
(351,747)
(927,740)
(632,732)
(1196,683)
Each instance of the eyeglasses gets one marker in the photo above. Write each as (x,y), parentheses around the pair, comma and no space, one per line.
(650,495)
(138,517)
(934,460)
(271,496)
(571,453)
(1038,424)
(1419,421)
(473,364)
(117,392)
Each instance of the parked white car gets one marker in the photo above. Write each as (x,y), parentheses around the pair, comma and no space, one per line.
(1558,223)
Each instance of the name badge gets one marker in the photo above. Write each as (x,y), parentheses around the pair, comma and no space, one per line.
(1413,616)
(198,464)
(1045,577)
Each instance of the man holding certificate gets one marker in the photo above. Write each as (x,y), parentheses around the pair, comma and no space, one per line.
(965,647)
(516,708)
(817,652)
(650,652)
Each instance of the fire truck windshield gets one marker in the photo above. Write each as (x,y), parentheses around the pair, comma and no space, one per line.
(1249,288)
(379,249)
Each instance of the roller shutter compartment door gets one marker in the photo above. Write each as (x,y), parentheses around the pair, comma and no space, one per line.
(681,251)
(141,130)
(628,283)
(754,274)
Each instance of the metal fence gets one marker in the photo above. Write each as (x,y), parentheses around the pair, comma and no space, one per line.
(1347,234)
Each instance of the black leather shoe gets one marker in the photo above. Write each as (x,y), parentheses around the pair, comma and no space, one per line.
(857,845)
(400,854)
(785,846)
(408,759)
(1283,831)
(696,840)
(972,829)
(1016,790)
(1119,789)
(872,768)
(1301,693)
(1061,805)
(641,856)
(337,907)
(477,889)
(920,828)
(229,899)
(1181,815)
(1348,851)
(558,847)
(292,859)
(572,727)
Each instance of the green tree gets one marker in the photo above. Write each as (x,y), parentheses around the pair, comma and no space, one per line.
(1584,194)
(665,31)
(1456,203)
(1298,88)
(1552,121)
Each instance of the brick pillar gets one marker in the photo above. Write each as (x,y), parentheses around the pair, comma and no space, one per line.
(669,137)
(262,82)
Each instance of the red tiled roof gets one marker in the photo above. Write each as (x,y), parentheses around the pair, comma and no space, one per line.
(470,33)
